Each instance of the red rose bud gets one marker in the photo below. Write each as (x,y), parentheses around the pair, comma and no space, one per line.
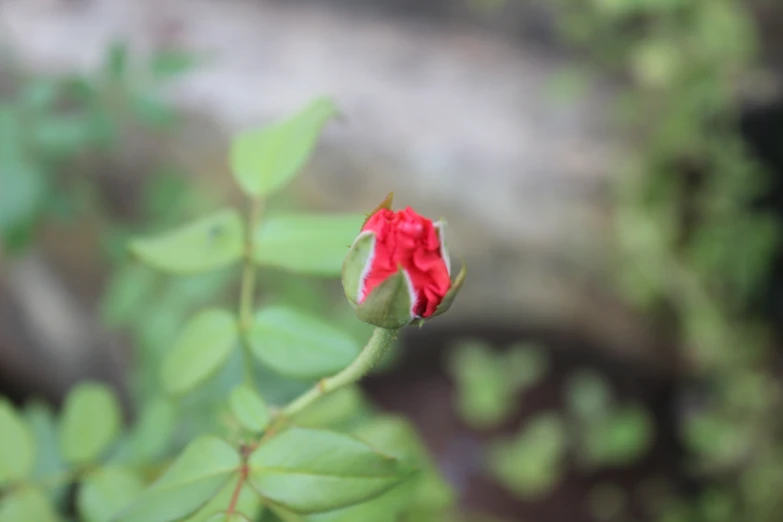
(398,269)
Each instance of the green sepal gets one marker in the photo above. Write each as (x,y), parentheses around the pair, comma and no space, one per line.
(440,230)
(389,304)
(386,203)
(355,263)
(448,299)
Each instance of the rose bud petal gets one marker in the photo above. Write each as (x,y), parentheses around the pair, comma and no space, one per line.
(398,269)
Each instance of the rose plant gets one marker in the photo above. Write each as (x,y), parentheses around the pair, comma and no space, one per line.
(252,461)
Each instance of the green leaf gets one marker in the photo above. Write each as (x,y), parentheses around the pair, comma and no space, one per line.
(392,506)
(333,409)
(248,503)
(298,345)
(23,188)
(63,135)
(485,391)
(17,450)
(168,194)
(106,128)
(105,492)
(314,244)
(195,477)
(263,161)
(279,514)
(152,111)
(167,64)
(91,421)
(530,463)
(656,62)
(249,408)
(716,438)
(22,181)
(154,430)
(43,425)
(129,290)
(39,94)
(309,471)
(618,439)
(525,365)
(222,517)
(201,350)
(588,395)
(116,61)
(394,435)
(208,243)
(26,505)
(80,89)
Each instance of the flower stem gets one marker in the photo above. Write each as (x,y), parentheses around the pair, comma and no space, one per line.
(232,506)
(247,291)
(372,352)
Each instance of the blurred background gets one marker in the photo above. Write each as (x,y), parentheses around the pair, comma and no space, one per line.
(610,170)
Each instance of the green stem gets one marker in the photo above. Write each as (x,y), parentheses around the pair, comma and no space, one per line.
(247,293)
(377,345)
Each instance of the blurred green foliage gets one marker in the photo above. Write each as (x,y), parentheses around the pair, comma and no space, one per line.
(531,462)
(207,442)
(52,127)
(595,428)
(489,383)
(609,434)
(693,245)
(689,238)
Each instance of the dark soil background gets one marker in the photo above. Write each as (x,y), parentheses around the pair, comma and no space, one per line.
(420,388)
